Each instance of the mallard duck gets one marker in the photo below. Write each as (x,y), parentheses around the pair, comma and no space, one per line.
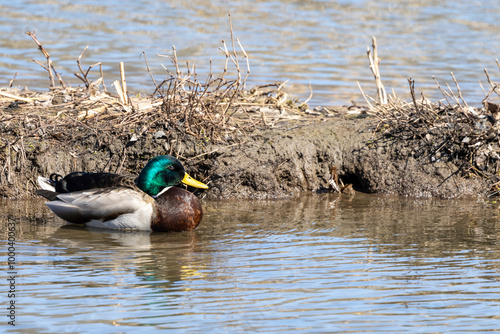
(148,202)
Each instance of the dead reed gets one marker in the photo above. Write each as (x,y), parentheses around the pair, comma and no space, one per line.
(204,108)
(217,109)
(448,130)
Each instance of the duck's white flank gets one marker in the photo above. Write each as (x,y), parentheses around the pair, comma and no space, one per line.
(138,220)
(114,208)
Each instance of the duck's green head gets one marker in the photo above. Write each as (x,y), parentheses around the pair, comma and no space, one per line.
(164,171)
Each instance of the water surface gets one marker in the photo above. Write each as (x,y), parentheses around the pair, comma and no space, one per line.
(314,42)
(311,265)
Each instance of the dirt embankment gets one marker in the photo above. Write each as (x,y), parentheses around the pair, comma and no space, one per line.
(248,144)
(288,160)
(298,159)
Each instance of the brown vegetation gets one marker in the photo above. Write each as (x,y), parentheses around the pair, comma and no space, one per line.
(448,131)
(216,110)
(248,143)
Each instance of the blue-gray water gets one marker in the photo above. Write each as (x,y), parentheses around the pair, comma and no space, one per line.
(317,43)
(319,264)
(313,265)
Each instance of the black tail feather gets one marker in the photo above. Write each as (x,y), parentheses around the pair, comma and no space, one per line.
(50,195)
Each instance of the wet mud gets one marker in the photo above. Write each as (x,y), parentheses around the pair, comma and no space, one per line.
(280,162)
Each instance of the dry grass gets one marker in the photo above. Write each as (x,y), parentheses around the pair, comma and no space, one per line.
(217,109)
(180,101)
(448,130)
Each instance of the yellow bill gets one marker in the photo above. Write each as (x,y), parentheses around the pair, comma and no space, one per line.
(193,183)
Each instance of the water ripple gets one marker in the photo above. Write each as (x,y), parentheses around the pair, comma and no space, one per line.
(375,264)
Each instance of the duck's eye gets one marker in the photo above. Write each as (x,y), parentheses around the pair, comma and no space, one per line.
(171,167)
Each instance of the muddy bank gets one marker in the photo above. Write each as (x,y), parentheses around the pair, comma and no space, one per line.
(298,159)
(256,143)
(286,160)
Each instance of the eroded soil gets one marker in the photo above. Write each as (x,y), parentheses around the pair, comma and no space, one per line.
(282,161)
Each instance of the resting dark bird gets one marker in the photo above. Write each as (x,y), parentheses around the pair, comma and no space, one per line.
(149,202)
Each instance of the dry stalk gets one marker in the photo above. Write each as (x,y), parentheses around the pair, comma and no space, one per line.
(119,91)
(157,90)
(411,82)
(11,82)
(493,84)
(124,96)
(247,59)
(83,75)
(310,95)
(370,106)
(374,60)
(443,92)
(458,90)
(49,67)
(455,133)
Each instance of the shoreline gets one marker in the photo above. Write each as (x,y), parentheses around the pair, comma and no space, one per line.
(256,143)
(263,152)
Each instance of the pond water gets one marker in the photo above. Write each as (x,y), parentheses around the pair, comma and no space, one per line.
(314,264)
(317,43)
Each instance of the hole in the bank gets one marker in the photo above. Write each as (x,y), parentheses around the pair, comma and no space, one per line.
(357,183)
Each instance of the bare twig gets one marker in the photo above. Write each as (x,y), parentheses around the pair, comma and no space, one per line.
(83,75)
(374,60)
(248,62)
(227,58)
(157,89)
(125,98)
(364,95)
(411,82)
(49,66)
(11,82)
(232,43)
(492,84)
(445,94)
(310,95)
(176,64)
(458,90)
